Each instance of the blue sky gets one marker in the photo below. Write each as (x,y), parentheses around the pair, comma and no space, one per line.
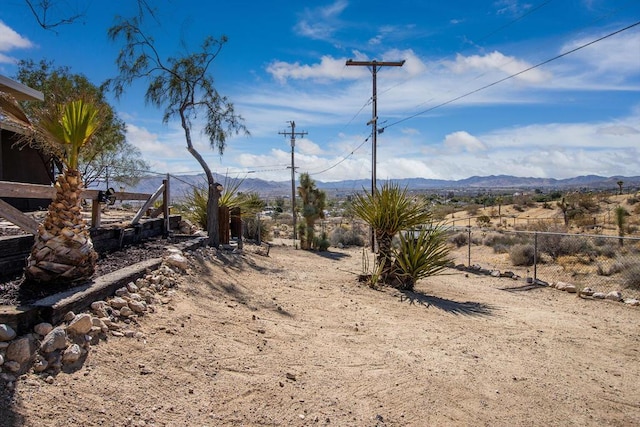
(284,61)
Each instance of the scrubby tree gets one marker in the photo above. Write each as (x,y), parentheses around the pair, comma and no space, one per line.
(63,250)
(313,204)
(184,87)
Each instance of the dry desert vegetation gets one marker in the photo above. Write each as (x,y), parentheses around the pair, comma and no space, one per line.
(293,339)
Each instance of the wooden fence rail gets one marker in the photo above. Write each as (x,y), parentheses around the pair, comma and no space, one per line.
(36,191)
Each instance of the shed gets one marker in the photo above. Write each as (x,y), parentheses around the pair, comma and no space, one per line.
(20,163)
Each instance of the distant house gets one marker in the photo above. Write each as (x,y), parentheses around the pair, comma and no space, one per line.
(19,163)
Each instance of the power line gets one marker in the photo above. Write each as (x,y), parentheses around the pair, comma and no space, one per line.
(512,75)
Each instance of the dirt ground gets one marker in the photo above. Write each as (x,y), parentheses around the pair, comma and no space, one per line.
(294,340)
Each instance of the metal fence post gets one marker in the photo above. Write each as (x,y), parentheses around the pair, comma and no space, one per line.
(469,251)
(535,257)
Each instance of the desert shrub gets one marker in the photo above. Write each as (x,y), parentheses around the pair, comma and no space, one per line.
(518,208)
(631,276)
(605,247)
(321,243)
(472,209)
(459,239)
(632,200)
(609,268)
(499,239)
(253,226)
(522,254)
(500,248)
(483,221)
(354,236)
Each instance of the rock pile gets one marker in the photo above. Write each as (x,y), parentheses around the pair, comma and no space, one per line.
(48,349)
(590,293)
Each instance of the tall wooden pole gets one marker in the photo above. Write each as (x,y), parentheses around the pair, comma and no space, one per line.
(293,135)
(374,66)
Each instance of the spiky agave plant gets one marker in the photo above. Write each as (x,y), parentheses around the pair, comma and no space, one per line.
(63,250)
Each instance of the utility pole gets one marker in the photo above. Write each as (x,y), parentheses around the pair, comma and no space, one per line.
(374,66)
(293,135)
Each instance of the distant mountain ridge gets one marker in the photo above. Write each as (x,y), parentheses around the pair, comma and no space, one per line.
(182,184)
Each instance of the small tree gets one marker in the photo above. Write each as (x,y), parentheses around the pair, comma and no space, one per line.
(185,89)
(63,250)
(620,184)
(313,204)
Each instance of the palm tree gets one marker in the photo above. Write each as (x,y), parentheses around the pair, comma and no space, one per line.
(389,211)
(63,250)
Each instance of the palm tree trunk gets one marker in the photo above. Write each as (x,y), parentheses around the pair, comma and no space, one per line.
(63,250)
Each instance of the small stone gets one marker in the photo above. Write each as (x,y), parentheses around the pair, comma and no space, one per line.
(71,354)
(55,340)
(40,365)
(131,287)
(599,295)
(1,359)
(632,302)
(43,328)
(291,376)
(6,332)
(121,292)
(11,366)
(126,312)
(137,307)
(81,324)
(614,296)
(69,316)
(177,260)
(49,379)
(99,308)
(495,273)
(20,350)
(129,333)
(117,334)
(587,292)
(118,303)
(562,286)
(571,289)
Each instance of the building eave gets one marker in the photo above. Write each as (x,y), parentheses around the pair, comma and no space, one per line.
(19,91)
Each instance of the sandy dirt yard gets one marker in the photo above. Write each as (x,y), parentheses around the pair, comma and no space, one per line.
(293,339)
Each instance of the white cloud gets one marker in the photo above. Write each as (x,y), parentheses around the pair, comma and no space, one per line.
(496,61)
(328,68)
(511,7)
(306,146)
(463,141)
(10,40)
(321,23)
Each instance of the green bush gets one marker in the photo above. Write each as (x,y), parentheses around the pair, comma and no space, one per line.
(522,254)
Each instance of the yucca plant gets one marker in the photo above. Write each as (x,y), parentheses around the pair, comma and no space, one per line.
(389,211)
(420,254)
(63,250)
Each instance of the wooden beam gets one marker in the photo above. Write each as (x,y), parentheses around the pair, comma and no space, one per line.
(26,191)
(147,204)
(16,217)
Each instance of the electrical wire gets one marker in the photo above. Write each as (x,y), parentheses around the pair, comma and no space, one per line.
(512,75)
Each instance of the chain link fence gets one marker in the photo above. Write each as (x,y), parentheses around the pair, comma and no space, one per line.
(600,262)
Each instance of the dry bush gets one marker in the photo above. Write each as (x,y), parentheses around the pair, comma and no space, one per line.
(354,236)
(522,254)
(459,239)
(631,276)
